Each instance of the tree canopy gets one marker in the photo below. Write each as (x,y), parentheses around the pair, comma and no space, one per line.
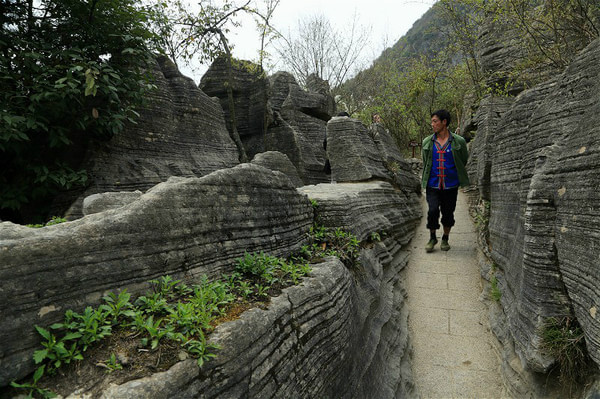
(71,72)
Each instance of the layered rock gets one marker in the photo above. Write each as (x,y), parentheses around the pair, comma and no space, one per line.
(487,118)
(352,152)
(358,153)
(499,49)
(101,202)
(299,124)
(181,132)
(545,203)
(403,170)
(374,209)
(279,162)
(276,114)
(341,333)
(250,89)
(185,227)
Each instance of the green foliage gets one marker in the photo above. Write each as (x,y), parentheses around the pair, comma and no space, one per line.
(112,364)
(375,236)
(32,388)
(495,293)
(71,73)
(563,339)
(324,241)
(171,311)
(51,222)
(266,271)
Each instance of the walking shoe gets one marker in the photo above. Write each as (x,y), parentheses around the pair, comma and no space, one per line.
(430,244)
(444,246)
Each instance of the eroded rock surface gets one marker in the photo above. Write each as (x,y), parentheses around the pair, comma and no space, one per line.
(185,227)
(103,201)
(299,124)
(358,153)
(180,133)
(341,333)
(545,201)
(277,161)
(250,88)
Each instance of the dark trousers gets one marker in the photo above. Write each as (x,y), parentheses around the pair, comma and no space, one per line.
(443,201)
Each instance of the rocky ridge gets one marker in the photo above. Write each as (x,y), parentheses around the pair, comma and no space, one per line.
(542,154)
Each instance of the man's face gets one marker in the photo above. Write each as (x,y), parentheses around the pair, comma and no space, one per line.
(437,125)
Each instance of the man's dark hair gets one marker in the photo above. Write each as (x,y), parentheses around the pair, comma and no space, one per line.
(442,114)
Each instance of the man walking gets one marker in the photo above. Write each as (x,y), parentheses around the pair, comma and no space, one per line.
(444,158)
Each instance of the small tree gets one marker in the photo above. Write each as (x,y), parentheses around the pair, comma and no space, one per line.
(316,47)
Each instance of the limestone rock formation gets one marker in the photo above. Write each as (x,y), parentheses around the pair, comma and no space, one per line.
(180,133)
(101,202)
(341,333)
(299,124)
(250,98)
(403,170)
(352,152)
(358,153)
(499,50)
(545,202)
(374,208)
(185,227)
(487,118)
(277,161)
(276,114)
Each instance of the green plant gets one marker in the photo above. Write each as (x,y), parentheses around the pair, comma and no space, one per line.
(51,222)
(563,339)
(118,306)
(495,293)
(199,349)
(155,332)
(32,387)
(262,290)
(244,289)
(92,325)
(375,236)
(185,320)
(153,304)
(165,286)
(62,90)
(112,364)
(54,353)
(258,265)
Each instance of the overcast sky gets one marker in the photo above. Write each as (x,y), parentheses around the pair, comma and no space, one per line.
(388,20)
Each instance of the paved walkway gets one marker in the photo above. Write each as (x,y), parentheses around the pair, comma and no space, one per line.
(453,354)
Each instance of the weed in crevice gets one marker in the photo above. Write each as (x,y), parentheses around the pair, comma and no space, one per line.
(32,388)
(563,339)
(325,241)
(495,292)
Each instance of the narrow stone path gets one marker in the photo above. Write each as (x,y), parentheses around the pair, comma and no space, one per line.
(453,354)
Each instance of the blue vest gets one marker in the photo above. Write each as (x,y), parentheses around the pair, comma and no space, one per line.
(443,170)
